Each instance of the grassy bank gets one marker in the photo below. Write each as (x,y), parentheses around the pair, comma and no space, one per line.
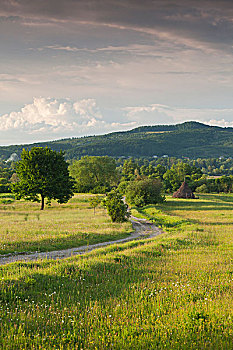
(23,227)
(172,292)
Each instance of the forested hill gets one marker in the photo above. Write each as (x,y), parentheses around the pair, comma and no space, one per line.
(189,139)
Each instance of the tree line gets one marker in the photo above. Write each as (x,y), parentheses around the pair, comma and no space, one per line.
(43,174)
(98,174)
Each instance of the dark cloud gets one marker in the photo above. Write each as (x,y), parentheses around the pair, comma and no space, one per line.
(110,9)
(208,21)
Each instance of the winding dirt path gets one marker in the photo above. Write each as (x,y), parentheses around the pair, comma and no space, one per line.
(143,229)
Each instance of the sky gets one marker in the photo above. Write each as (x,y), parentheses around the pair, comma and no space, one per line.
(71,68)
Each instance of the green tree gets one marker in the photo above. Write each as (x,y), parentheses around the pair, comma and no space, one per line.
(226,183)
(202,189)
(122,187)
(174,177)
(5,174)
(4,185)
(144,191)
(94,174)
(159,171)
(117,209)
(43,173)
(94,202)
(128,169)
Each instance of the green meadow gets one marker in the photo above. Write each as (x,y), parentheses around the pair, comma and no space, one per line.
(24,227)
(170,292)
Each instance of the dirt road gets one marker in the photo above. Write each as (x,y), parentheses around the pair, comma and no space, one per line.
(143,229)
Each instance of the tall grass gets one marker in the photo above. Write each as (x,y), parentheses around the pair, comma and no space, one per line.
(23,227)
(172,292)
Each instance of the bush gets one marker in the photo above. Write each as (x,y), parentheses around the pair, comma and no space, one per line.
(5,188)
(100,189)
(117,209)
(144,191)
(122,187)
(202,189)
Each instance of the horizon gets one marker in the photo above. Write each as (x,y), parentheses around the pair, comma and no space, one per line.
(82,68)
(109,133)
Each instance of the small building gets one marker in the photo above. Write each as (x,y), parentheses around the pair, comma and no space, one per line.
(13,158)
(184,192)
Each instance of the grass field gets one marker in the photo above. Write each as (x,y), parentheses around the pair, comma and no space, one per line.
(24,227)
(172,292)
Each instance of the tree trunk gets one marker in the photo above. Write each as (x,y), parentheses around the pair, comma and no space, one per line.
(42,202)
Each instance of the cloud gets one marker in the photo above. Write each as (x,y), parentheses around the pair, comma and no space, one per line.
(135,49)
(49,118)
(151,55)
(65,116)
(47,114)
(152,114)
(9,78)
(190,22)
(162,114)
(222,123)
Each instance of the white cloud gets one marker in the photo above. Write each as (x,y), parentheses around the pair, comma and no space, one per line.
(48,114)
(221,122)
(50,118)
(87,108)
(134,49)
(162,114)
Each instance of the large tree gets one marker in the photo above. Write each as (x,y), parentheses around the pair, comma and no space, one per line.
(94,174)
(43,173)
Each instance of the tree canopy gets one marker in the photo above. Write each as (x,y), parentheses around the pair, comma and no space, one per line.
(43,173)
(190,139)
(117,209)
(144,191)
(94,174)
(128,169)
(174,176)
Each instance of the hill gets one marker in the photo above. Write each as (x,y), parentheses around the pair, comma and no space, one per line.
(189,139)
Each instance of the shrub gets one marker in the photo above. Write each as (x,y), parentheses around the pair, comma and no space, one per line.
(202,189)
(117,209)
(100,189)
(144,191)
(122,187)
